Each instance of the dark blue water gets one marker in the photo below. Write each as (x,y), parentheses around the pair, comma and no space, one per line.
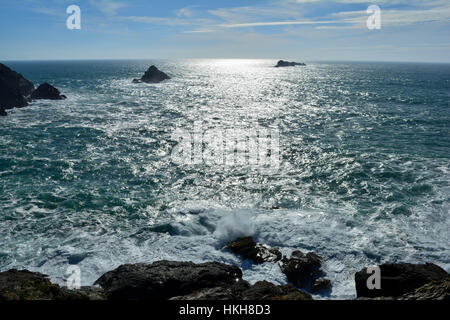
(363,175)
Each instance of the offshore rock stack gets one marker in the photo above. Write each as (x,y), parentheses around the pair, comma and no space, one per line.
(152,75)
(47,92)
(283,63)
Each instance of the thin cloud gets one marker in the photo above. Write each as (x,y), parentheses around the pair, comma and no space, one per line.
(273,23)
(108,8)
(49,12)
(157,20)
(287,14)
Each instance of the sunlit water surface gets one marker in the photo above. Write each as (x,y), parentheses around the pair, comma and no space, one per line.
(363,178)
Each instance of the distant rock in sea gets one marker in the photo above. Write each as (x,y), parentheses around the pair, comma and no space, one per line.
(14,89)
(47,92)
(152,75)
(3,113)
(283,63)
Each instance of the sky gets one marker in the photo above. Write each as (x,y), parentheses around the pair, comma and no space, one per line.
(303,30)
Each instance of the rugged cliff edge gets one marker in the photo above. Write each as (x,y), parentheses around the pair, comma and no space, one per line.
(14,89)
(17,92)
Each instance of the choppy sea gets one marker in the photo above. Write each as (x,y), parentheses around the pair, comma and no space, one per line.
(363,175)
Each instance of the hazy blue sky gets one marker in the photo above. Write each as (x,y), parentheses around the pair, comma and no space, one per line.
(291,29)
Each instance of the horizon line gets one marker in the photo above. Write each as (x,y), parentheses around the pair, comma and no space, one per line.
(218,58)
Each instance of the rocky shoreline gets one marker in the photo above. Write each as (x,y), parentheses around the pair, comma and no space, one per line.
(18,92)
(172,280)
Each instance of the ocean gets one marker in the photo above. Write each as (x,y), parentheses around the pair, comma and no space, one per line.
(362,173)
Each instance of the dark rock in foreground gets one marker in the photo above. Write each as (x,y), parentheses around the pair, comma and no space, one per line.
(301,269)
(232,292)
(158,281)
(14,89)
(399,279)
(260,291)
(436,290)
(165,279)
(283,63)
(26,285)
(216,281)
(264,290)
(152,75)
(47,92)
(249,249)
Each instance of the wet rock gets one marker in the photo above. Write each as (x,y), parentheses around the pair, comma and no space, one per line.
(264,290)
(376,299)
(292,293)
(165,279)
(212,294)
(283,63)
(320,285)
(47,92)
(261,291)
(152,75)
(3,113)
(301,269)
(26,285)
(436,290)
(86,293)
(399,279)
(233,292)
(249,249)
